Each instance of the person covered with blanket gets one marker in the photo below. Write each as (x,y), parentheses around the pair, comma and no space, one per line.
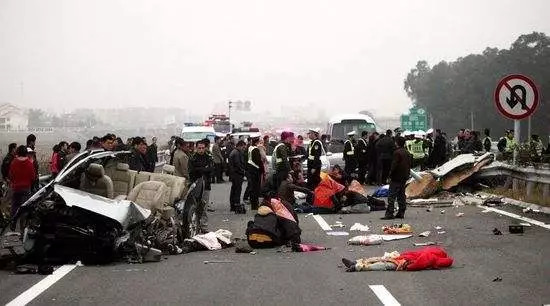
(414,260)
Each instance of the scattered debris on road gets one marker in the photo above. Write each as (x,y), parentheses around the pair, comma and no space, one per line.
(335,233)
(359,227)
(397,229)
(424,234)
(497,232)
(425,243)
(302,247)
(516,229)
(366,240)
(217,261)
(497,279)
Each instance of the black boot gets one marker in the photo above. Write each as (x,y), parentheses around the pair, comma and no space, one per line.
(240,210)
(387,217)
(400,215)
(350,264)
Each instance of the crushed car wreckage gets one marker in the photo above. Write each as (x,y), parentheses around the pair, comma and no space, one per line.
(96,210)
(447,176)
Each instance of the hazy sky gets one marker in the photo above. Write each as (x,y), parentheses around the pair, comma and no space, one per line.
(341,55)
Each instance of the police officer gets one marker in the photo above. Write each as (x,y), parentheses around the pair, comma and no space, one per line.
(254,169)
(349,155)
(506,145)
(314,159)
(362,156)
(416,147)
(280,158)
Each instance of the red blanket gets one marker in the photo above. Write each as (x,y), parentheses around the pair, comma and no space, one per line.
(325,190)
(425,259)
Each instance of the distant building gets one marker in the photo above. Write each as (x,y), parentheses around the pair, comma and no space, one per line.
(12,118)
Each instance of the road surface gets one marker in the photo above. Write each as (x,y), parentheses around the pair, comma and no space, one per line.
(318,278)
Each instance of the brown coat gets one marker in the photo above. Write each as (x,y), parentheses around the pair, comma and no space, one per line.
(181,164)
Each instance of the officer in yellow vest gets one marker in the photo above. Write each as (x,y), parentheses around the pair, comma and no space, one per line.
(314,164)
(416,147)
(349,155)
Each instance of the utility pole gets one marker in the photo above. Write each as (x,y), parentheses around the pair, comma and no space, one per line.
(229,105)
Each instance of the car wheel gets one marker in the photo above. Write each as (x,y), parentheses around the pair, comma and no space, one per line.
(190,218)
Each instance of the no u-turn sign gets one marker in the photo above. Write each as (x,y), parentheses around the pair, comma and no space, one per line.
(516,96)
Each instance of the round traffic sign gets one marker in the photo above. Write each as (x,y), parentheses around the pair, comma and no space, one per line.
(516,96)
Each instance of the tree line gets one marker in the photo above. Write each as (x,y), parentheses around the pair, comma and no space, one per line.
(454,92)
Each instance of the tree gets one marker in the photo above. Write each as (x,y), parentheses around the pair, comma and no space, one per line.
(453,92)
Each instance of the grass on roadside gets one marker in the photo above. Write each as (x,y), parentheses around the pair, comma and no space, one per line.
(535,198)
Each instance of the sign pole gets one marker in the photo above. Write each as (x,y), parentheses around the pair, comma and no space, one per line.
(517,134)
(529,129)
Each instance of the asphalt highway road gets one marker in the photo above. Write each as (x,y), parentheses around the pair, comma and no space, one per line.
(318,278)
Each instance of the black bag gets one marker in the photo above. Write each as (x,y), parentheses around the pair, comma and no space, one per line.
(376,204)
(263,232)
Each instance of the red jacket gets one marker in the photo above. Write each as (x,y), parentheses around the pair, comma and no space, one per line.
(21,174)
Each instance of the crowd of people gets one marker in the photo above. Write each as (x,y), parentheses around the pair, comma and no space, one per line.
(372,158)
(22,180)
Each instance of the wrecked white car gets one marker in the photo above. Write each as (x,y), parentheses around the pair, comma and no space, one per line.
(97,210)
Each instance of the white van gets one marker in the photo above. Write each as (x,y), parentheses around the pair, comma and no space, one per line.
(339,126)
(196,133)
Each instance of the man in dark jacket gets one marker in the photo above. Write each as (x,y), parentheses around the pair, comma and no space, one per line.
(362,157)
(439,152)
(384,152)
(7,160)
(62,154)
(201,166)
(229,147)
(372,176)
(280,158)
(31,144)
(138,160)
(152,156)
(236,176)
(255,170)
(399,174)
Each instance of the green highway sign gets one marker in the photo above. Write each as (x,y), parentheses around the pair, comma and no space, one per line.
(415,120)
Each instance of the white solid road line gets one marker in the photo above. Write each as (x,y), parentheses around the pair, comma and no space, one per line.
(322,223)
(34,291)
(384,295)
(511,215)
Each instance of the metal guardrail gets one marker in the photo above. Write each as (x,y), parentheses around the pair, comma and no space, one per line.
(532,176)
(529,174)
